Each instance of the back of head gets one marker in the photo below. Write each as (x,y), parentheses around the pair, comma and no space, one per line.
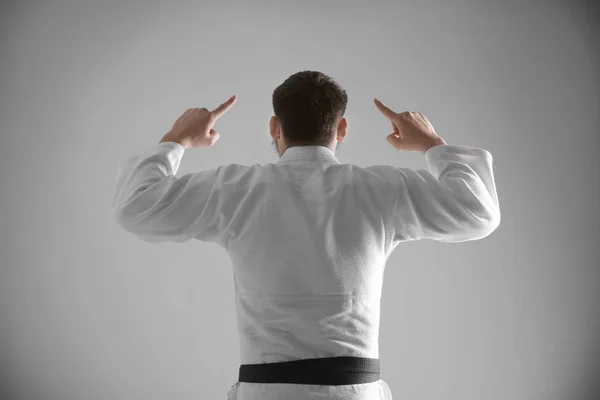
(309,106)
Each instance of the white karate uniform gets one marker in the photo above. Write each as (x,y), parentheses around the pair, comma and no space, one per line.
(308,239)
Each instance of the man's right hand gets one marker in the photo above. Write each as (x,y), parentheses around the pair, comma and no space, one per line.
(412,130)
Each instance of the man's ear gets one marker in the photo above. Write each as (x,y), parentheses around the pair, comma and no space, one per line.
(342,129)
(275,127)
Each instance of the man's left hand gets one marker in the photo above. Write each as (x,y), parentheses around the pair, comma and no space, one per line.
(194,128)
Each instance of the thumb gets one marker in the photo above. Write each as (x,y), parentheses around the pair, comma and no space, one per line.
(393,138)
(214,134)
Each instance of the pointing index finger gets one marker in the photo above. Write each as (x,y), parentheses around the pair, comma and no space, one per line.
(223,108)
(384,109)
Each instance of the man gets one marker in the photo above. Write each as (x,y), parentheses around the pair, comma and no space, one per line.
(308,237)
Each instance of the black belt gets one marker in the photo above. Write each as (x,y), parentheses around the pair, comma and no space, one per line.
(315,371)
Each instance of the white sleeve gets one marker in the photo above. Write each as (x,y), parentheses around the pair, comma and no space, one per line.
(455,201)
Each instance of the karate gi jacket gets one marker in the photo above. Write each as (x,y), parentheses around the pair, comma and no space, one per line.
(308,238)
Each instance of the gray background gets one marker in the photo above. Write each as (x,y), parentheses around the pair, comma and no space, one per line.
(88,311)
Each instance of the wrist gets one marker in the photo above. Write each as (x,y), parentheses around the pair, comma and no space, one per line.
(172,137)
(437,142)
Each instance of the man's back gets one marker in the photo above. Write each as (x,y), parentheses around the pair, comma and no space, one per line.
(309,239)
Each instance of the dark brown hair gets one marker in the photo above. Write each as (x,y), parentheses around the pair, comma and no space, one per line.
(309,106)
